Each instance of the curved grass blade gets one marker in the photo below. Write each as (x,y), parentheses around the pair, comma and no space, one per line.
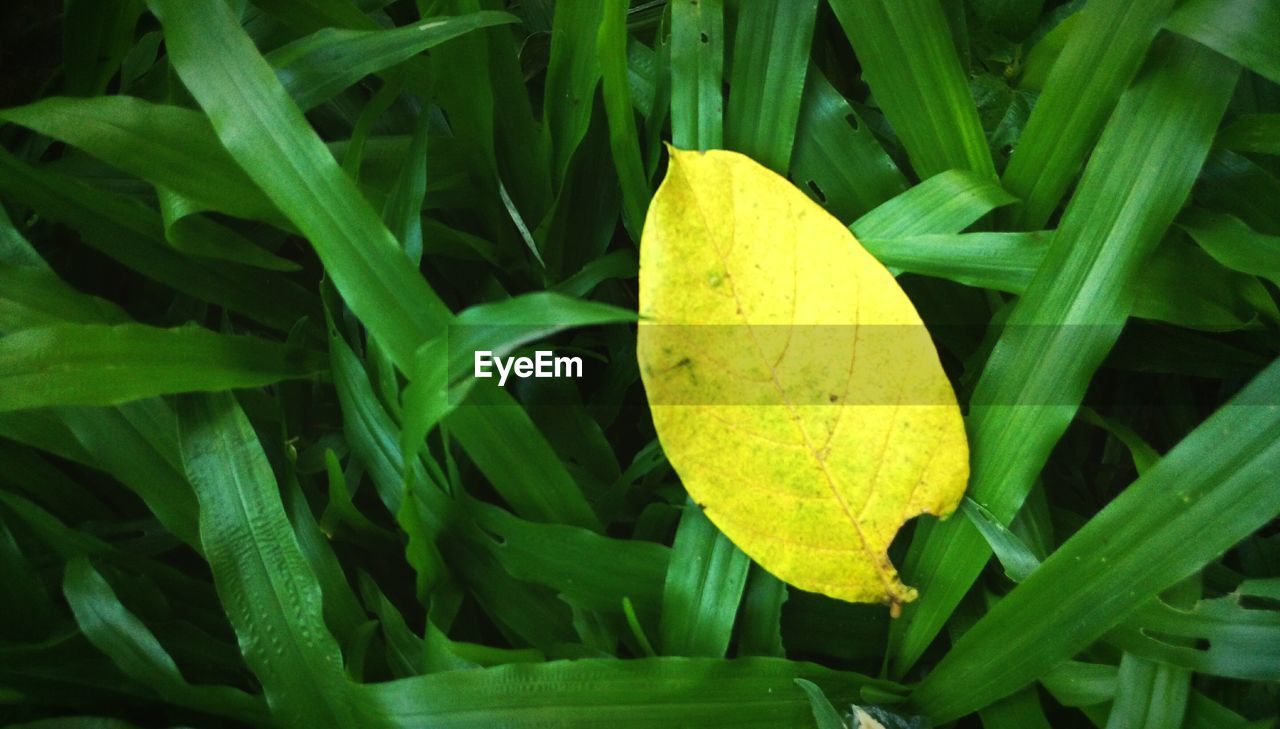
(201,236)
(402,211)
(945,203)
(624,137)
(1000,261)
(134,649)
(823,712)
(87,364)
(136,443)
(573,71)
(317,67)
(165,145)
(265,584)
(583,567)
(1234,244)
(1242,30)
(1234,184)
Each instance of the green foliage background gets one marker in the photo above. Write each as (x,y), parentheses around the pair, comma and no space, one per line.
(236,236)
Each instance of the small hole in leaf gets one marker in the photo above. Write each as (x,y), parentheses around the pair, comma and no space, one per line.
(817,191)
(852,119)
(704,38)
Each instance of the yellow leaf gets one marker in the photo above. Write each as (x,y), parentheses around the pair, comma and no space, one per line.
(793,386)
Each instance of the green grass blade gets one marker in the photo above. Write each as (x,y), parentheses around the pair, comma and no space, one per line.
(697,72)
(264,582)
(523,156)
(1015,557)
(317,67)
(137,444)
(1019,711)
(402,211)
(837,159)
(910,62)
(1000,261)
(703,589)
(756,693)
(770,58)
(586,569)
(1076,683)
(573,71)
(823,712)
(342,611)
(269,138)
(165,145)
(1242,30)
(447,365)
(624,137)
(133,234)
(1073,310)
(1234,244)
(1217,637)
(488,107)
(1212,490)
(500,438)
(202,237)
(1205,713)
(87,364)
(128,642)
(1149,695)
(32,297)
(1107,43)
(1257,133)
(15,249)
(945,203)
(760,627)
(1045,52)
(525,609)
(1180,285)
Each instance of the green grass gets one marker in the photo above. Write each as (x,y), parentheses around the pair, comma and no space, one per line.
(247,248)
